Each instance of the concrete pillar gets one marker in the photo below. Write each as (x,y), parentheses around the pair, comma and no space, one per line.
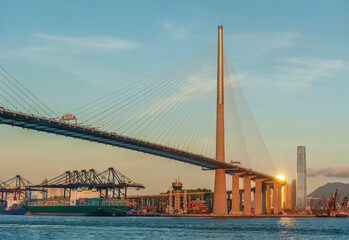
(240,204)
(258,197)
(268,199)
(264,198)
(247,195)
(235,196)
(275,198)
(279,197)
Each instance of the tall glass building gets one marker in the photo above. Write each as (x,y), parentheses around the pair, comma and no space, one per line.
(301,178)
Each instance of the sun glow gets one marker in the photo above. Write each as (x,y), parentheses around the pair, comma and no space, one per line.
(280,176)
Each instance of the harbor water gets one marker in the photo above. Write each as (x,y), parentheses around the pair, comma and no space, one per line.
(60,227)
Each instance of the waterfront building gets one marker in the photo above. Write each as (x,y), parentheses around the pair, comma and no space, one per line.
(301,178)
(177,200)
(294,193)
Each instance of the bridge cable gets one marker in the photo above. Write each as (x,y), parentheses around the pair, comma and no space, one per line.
(164,106)
(166,86)
(131,86)
(190,99)
(29,92)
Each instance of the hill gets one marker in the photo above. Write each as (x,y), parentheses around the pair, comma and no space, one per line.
(328,188)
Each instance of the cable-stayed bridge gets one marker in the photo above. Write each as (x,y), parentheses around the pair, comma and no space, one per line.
(49,125)
(177,113)
(91,134)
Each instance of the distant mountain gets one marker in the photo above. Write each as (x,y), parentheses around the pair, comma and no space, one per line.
(328,188)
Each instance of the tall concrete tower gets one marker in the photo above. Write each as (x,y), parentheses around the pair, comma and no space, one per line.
(301,178)
(220,192)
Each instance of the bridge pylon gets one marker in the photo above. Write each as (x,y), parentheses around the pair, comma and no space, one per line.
(220,195)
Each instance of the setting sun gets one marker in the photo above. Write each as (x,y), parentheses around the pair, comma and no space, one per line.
(280,176)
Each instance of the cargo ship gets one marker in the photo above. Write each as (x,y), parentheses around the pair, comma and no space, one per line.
(79,204)
(82,207)
(14,209)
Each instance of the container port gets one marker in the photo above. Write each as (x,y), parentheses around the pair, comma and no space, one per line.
(92,193)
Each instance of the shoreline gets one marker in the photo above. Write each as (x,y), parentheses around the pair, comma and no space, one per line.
(223,216)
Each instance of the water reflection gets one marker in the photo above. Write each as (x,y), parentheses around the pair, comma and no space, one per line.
(55,227)
(287,223)
(285,227)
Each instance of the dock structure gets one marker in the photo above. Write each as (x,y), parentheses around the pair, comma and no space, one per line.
(108,183)
(238,200)
(18,188)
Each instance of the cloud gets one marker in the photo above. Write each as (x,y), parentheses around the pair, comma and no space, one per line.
(284,39)
(259,43)
(279,40)
(294,74)
(303,72)
(176,32)
(339,172)
(95,42)
(64,53)
(287,73)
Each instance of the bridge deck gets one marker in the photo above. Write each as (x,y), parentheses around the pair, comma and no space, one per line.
(48,125)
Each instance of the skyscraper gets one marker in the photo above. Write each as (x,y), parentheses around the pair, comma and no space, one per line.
(294,193)
(301,178)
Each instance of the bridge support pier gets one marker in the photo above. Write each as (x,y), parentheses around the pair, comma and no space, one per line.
(275,198)
(258,197)
(235,196)
(268,199)
(241,206)
(247,195)
(264,198)
(279,197)
(220,194)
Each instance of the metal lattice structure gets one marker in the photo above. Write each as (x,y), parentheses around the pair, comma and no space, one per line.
(18,186)
(109,182)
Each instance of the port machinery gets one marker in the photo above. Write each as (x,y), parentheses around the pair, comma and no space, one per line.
(109,182)
(19,187)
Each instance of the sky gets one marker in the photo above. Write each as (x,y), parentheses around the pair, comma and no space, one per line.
(291,57)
